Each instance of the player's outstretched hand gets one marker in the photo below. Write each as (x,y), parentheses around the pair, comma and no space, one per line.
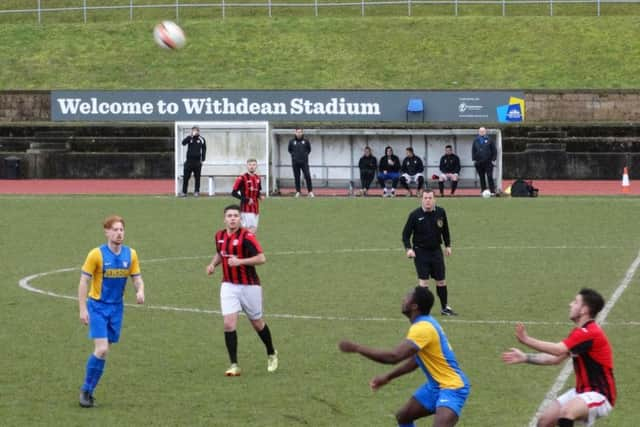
(513,356)
(521,333)
(347,346)
(140,297)
(378,381)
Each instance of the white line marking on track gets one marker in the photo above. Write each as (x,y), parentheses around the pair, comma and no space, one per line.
(568,366)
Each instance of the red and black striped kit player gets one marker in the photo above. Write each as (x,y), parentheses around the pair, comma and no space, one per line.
(239,252)
(594,394)
(248,189)
(592,360)
(240,244)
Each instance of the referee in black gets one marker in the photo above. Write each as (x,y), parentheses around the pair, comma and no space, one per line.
(429,227)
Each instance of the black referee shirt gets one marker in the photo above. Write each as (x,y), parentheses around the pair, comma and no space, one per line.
(429,229)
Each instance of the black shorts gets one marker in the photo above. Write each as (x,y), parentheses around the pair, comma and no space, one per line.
(429,264)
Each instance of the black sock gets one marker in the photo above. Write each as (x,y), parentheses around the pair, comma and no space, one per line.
(454,185)
(442,294)
(565,422)
(441,187)
(231,340)
(265,336)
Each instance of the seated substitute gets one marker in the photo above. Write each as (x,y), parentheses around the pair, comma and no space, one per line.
(412,172)
(368,165)
(449,170)
(389,170)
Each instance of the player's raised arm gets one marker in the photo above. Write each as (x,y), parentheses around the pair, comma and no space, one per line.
(403,351)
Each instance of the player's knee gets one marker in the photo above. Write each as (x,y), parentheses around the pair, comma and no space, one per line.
(101,351)
(402,417)
(229,325)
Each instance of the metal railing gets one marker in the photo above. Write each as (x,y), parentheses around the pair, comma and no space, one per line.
(175,8)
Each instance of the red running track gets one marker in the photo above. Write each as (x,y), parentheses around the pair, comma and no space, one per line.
(166,186)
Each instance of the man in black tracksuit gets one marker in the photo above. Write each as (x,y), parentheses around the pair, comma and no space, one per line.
(299,148)
(412,171)
(196,153)
(484,155)
(368,166)
(429,227)
(449,170)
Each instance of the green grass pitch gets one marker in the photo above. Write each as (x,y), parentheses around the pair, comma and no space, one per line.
(337,261)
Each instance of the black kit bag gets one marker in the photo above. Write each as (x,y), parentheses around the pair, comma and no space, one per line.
(522,188)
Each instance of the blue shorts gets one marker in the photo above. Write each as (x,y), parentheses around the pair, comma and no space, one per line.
(105,320)
(433,397)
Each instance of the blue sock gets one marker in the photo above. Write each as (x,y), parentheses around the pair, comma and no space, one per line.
(95,367)
(407,425)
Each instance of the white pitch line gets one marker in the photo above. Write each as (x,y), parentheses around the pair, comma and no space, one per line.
(25,284)
(568,366)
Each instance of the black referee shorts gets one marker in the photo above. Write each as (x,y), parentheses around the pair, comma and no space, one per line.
(429,263)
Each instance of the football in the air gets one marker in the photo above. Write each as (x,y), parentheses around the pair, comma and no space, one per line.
(486,194)
(169,35)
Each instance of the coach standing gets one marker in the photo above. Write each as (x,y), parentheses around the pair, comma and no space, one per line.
(196,153)
(429,227)
(484,155)
(299,148)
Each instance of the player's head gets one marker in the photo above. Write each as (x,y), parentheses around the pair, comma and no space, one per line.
(448,149)
(428,201)
(195,130)
(409,152)
(252,165)
(232,217)
(587,303)
(299,133)
(418,301)
(114,229)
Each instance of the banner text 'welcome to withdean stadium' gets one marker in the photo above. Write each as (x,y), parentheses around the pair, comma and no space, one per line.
(332,106)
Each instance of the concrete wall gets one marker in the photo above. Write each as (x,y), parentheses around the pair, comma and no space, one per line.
(548,106)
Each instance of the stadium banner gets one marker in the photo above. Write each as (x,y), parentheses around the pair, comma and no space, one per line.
(280,105)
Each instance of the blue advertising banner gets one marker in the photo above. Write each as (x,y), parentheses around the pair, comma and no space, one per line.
(263,105)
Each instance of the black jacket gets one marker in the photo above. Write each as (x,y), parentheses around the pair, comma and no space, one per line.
(299,150)
(386,166)
(429,229)
(450,163)
(197,150)
(483,150)
(368,164)
(412,165)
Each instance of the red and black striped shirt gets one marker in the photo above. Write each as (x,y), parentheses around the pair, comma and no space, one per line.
(249,187)
(592,360)
(241,244)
